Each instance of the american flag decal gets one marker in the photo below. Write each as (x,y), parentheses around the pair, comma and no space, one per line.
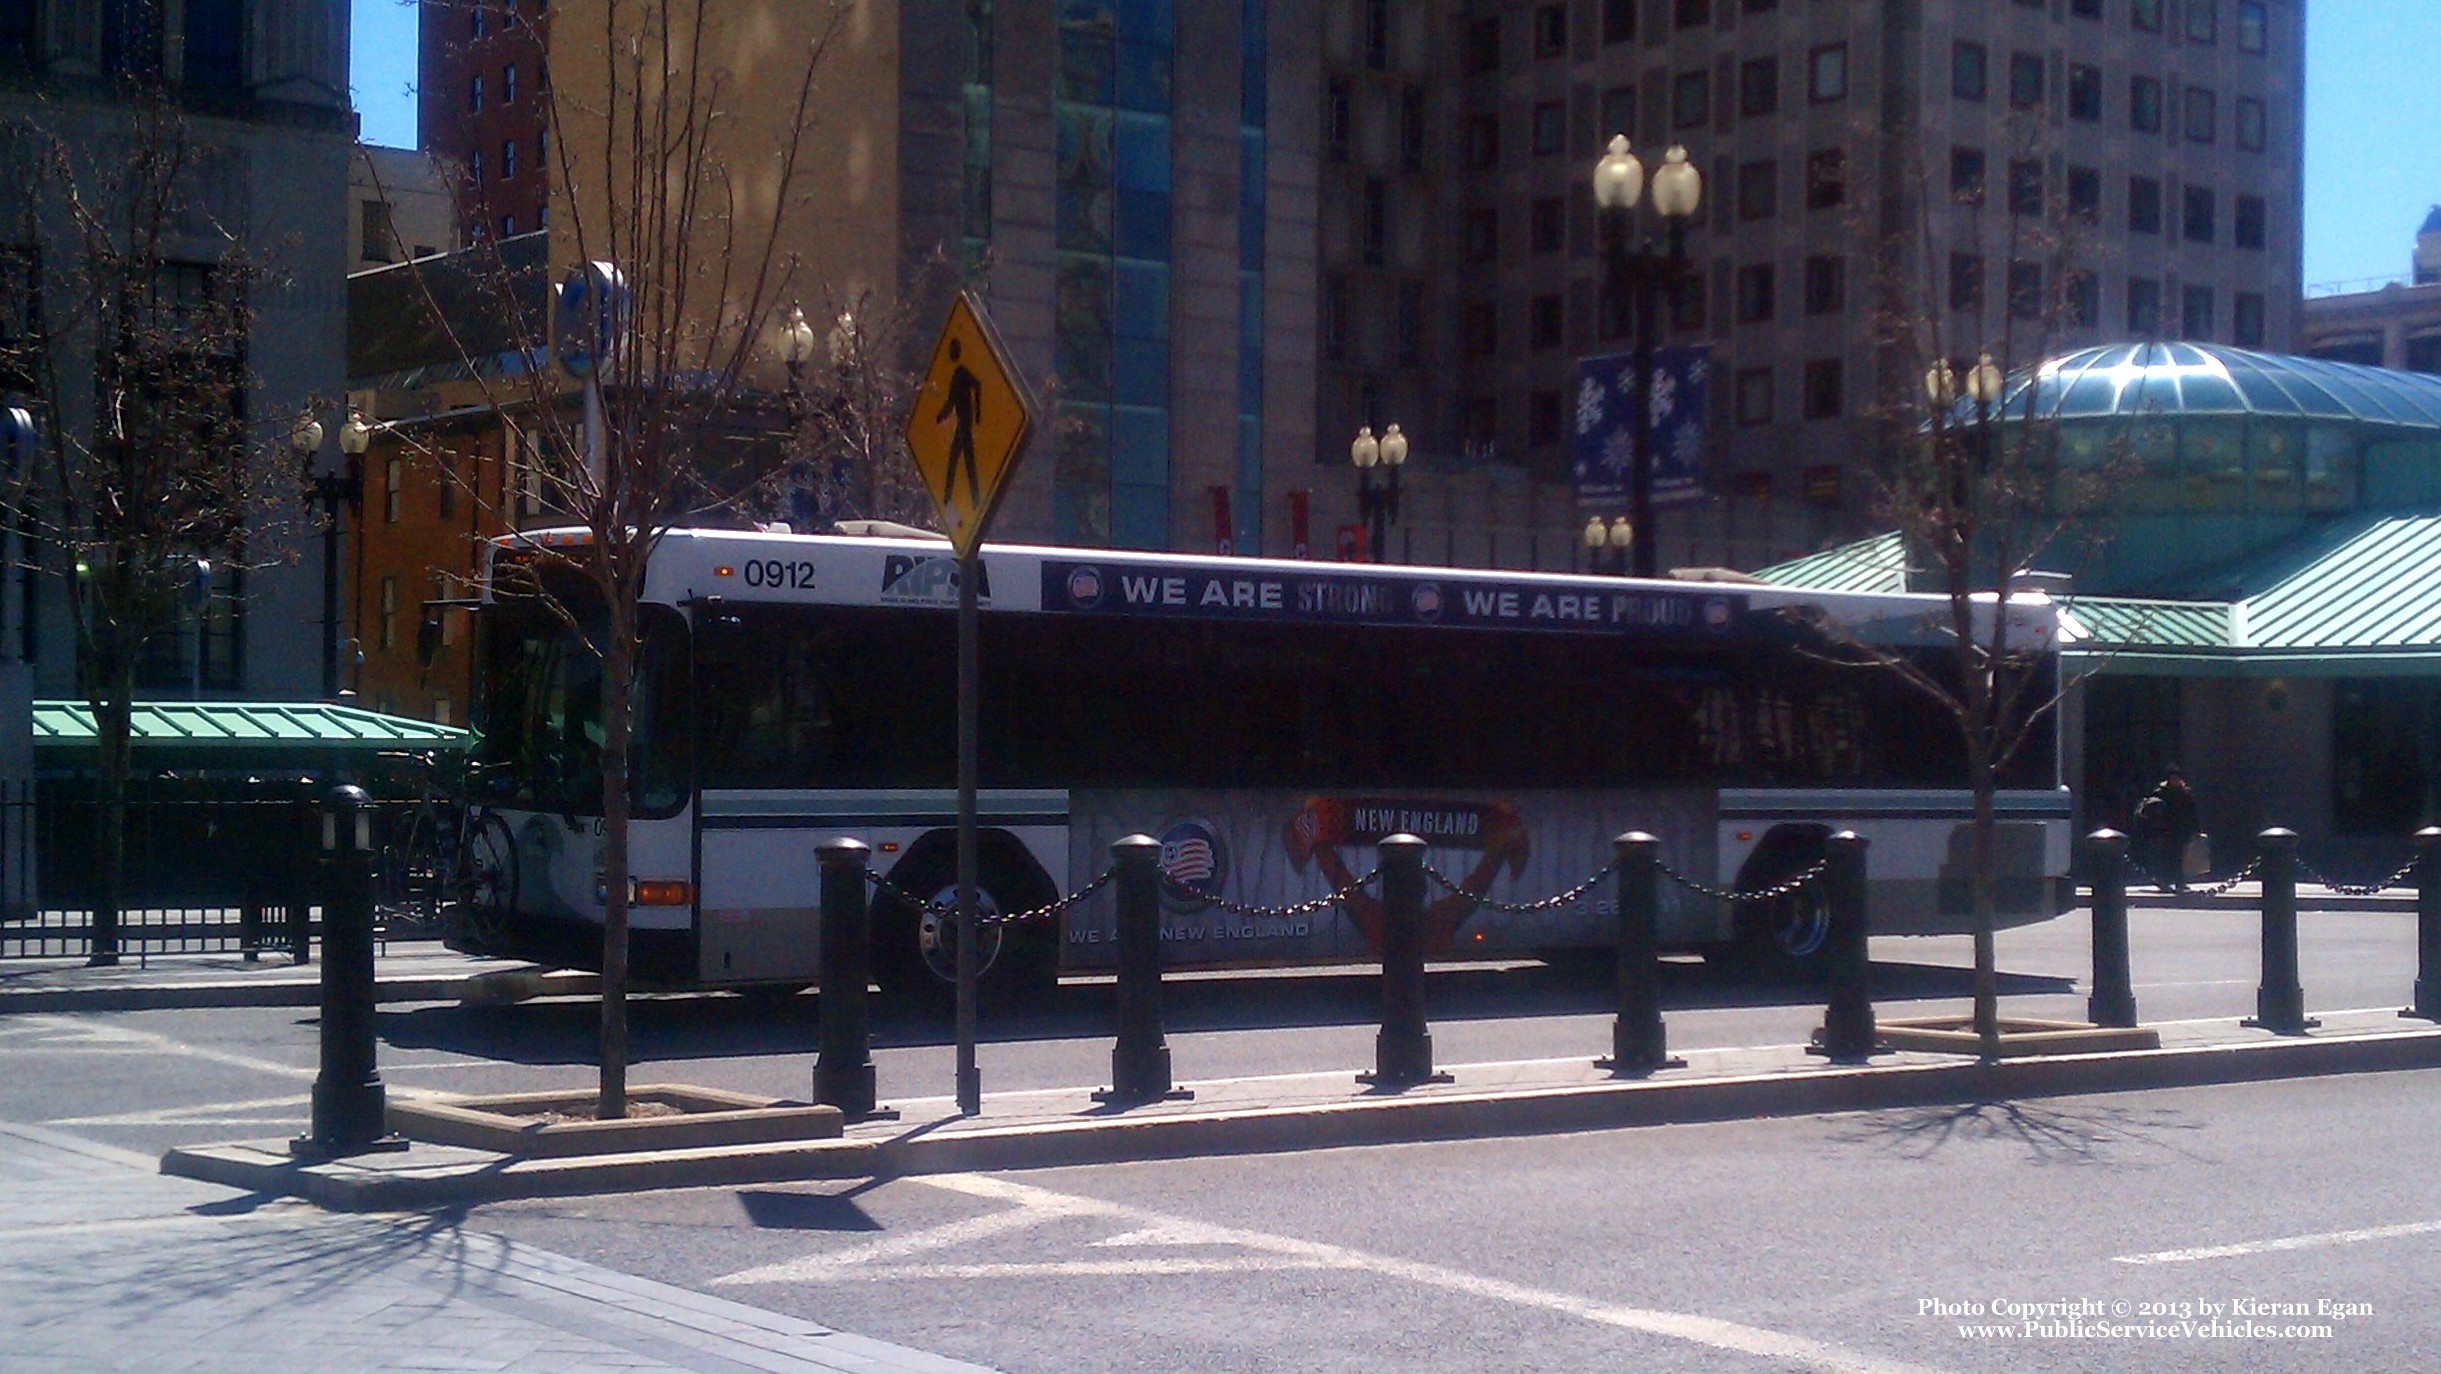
(1188,862)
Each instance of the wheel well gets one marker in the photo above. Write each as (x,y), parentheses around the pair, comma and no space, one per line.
(937,850)
(1783,850)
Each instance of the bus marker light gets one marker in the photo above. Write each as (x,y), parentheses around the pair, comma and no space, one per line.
(724,572)
(889,846)
(1745,835)
(662,893)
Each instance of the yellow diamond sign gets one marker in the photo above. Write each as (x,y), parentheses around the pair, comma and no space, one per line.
(970,422)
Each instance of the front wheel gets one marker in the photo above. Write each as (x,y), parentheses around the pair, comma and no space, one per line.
(483,889)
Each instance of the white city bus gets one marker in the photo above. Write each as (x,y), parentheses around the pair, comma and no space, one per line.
(1268,720)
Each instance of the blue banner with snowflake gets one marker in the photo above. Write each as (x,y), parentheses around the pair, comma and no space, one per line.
(1603,455)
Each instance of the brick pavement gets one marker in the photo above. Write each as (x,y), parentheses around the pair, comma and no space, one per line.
(109,1265)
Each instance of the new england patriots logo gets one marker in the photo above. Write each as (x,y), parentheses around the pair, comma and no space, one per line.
(1194,865)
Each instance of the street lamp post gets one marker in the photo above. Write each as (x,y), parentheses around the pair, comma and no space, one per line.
(1983,384)
(1637,271)
(1377,505)
(333,490)
(796,349)
(1607,545)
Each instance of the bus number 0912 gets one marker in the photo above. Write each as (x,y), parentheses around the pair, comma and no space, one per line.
(779,574)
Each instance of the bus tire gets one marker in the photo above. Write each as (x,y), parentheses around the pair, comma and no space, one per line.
(914,950)
(1787,936)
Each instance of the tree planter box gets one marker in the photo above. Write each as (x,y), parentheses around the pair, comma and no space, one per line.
(663,1116)
(1956,1035)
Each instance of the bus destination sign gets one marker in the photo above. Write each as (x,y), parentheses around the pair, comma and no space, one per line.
(1350,598)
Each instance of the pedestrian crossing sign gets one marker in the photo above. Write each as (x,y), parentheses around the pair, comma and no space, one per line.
(969,424)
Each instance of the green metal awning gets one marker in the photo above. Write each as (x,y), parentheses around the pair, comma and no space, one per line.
(252,725)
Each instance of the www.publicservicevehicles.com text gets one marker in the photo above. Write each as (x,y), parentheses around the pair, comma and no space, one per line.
(2135,1319)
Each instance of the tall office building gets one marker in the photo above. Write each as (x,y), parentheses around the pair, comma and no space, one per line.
(1847,145)
(480,105)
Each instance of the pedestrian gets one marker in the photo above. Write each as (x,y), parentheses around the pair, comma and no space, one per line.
(2167,821)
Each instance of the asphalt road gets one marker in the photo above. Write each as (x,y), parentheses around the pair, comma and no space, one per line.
(1866,1243)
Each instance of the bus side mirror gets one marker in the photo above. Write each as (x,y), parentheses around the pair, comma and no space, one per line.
(719,634)
(428,639)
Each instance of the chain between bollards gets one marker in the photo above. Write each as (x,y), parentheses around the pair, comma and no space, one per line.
(1848,1033)
(2279,1000)
(2427,1004)
(1639,1043)
(1140,1055)
(349,1103)
(843,1066)
(2113,1002)
(1402,1052)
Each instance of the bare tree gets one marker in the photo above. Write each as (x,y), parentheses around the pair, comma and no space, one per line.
(848,458)
(679,187)
(1975,477)
(130,302)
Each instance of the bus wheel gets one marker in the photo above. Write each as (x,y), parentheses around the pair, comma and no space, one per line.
(1788,935)
(916,950)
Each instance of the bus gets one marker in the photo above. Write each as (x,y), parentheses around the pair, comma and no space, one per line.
(1267,720)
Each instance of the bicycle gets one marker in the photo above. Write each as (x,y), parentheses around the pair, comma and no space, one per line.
(451,862)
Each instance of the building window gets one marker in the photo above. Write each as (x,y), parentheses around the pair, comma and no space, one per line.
(393,487)
(474,94)
(2203,20)
(2144,15)
(1618,112)
(1547,232)
(1826,285)
(1482,234)
(1479,329)
(1338,119)
(1758,87)
(2084,297)
(1550,30)
(2085,195)
(1757,6)
(2196,224)
(2250,123)
(389,612)
(1757,288)
(1543,419)
(1966,175)
(2246,215)
(1334,322)
(2026,290)
(1410,338)
(474,166)
(1545,322)
(1376,222)
(2195,313)
(1483,142)
(1618,21)
(475,16)
(1411,129)
(2085,9)
(508,84)
(1826,178)
(379,237)
(508,226)
(1754,396)
(2025,80)
(1825,389)
(2251,26)
(1377,34)
(2143,205)
(2246,319)
(1483,46)
(1826,74)
(1758,190)
(2144,306)
(2203,114)
(2025,186)
(1691,14)
(1687,303)
(2084,92)
(508,159)
(1550,127)
(1969,71)
(2144,105)
(1690,100)
(1965,283)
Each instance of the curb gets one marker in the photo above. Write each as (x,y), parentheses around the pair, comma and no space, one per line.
(264,1167)
(495,987)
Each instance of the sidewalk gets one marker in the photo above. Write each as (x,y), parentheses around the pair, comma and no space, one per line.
(1316,1110)
(110,1266)
(405,971)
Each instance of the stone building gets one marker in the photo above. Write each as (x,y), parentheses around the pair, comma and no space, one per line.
(2395,324)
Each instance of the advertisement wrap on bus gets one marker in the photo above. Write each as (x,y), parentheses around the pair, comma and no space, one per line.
(1268,721)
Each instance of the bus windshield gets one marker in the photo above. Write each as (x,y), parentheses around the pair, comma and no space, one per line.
(538,711)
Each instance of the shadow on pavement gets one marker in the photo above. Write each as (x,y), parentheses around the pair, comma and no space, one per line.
(711,1025)
(2050,1133)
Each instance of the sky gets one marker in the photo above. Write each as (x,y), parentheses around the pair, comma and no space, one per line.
(2372,135)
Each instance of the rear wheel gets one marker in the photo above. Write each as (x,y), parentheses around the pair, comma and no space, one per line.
(1788,934)
(916,947)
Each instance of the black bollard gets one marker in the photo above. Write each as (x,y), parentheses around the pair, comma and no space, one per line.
(843,1065)
(1639,1043)
(2279,1001)
(1140,1057)
(348,1099)
(2113,1002)
(2428,925)
(1848,1034)
(1402,1052)
(301,885)
(250,922)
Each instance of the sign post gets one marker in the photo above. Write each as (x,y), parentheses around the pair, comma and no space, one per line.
(967,430)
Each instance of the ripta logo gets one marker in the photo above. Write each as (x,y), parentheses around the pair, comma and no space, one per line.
(907,580)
